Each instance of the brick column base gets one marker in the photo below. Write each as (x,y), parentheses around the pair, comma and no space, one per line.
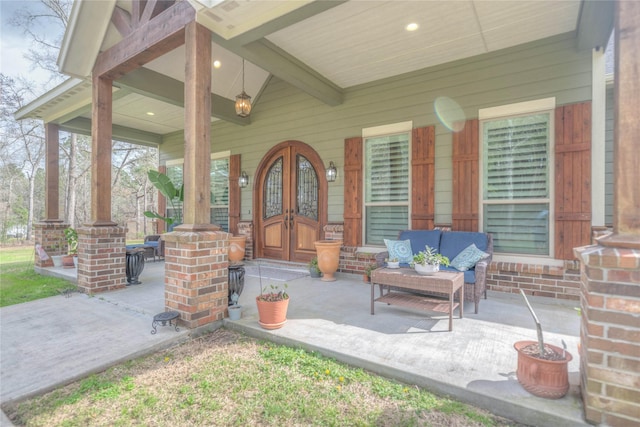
(610,334)
(101,258)
(196,268)
(50,235)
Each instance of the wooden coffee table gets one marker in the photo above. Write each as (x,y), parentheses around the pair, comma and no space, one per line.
(406,279)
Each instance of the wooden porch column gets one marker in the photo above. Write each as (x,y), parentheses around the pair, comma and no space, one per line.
(197,131)
(626,138)
(610,269)
(101,122)
(52,172)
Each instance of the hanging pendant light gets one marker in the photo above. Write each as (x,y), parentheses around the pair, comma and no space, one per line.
(243,101)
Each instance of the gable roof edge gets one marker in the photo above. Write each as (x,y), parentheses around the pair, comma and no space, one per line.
(88,24)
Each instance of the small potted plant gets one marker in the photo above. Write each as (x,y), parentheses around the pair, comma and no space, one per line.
(68,261)
(428,262)
(314,270)
(392,263)
(272,303)
(366,277)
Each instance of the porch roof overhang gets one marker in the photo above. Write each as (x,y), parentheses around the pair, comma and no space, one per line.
(321,47)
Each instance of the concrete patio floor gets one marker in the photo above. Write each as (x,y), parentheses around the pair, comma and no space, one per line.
(54,341)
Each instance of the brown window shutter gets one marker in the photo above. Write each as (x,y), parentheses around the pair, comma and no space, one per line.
(572,178)
(162,204)
(466,156)
(423,175)
(234,193)
(353,191)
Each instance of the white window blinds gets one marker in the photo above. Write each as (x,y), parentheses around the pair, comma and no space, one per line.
(516,183)
(387,187)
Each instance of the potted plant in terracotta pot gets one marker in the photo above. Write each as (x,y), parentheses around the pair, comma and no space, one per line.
(68,261)
(314,270)
(543,369)
(272,303)
(428,262)
(366,277)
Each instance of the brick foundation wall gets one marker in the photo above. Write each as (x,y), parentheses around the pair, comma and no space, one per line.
(101,258)
(245,228)
(610,335)
(50,235)
(196,281)
(539,280)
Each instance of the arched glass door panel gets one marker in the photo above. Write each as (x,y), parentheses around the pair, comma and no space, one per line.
(273,190)
(307,194)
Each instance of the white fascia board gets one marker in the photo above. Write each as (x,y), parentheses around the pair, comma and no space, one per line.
(61,89)
(88,24)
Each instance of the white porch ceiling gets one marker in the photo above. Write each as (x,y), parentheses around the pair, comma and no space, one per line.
(335,45)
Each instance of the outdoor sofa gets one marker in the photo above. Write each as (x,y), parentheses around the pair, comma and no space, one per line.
(451,244)
(156,242)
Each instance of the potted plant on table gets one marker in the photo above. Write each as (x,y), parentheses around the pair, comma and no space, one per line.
(68,261)
(428,262)
(314,270)
(543,369)
(392,262)
(272,303)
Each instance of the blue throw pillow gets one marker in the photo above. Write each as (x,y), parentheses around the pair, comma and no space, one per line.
(468,258)
(400,249)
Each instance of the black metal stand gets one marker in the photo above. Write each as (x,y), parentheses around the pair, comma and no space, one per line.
(236,280)
(135,265)
(167,316)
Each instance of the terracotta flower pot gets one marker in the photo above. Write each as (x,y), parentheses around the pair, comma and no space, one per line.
(237,248)
(540,377)
(272,314)
(68,261)
(328,258)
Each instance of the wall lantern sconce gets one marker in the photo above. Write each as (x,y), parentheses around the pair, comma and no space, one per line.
(243,180)
(243,101)
(332,172)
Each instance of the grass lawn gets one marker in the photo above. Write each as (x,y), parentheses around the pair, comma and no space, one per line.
(20,283)
(227,379)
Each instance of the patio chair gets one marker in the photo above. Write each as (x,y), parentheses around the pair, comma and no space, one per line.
(155,240)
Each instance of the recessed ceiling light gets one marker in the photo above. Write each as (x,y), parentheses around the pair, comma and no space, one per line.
(150,113)
(216,64)
(411,27)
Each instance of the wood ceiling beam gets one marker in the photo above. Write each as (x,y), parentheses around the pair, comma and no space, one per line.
(151,40)
(300,14)
(166,89)
(253,46)
(270,57)
(82,126)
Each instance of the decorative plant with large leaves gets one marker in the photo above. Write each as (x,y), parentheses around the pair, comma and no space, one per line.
(164,185)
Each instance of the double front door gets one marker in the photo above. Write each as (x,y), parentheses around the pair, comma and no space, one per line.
(291,200)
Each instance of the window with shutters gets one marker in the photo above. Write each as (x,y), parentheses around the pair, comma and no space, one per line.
(516,189)
(387,186)
(219,193)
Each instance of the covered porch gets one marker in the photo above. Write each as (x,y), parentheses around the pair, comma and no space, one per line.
(474,363)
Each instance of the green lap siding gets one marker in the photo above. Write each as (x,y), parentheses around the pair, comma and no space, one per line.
(551,67)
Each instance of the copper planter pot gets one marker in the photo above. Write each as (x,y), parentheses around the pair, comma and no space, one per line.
(543,378)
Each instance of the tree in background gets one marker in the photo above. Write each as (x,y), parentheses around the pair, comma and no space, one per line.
(22,144)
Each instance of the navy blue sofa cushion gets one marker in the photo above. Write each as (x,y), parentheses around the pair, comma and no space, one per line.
(469,275)
(452,243)
(421,238)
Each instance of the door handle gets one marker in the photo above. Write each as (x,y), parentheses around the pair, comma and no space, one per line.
(286,218)
(291,220)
